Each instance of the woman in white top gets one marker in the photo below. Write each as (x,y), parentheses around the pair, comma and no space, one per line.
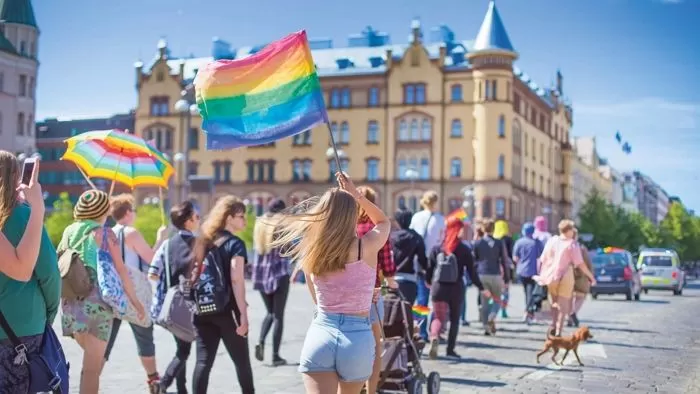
(429,224)
(137,255)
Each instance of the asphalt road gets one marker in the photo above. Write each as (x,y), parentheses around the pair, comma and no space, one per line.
(639,347)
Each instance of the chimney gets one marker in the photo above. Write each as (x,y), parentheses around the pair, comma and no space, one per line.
(415,31)
(443,53)
(389,59)
(560,83)
(182,70)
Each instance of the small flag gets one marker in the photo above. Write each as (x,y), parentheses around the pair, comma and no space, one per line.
(420,311)
(618,137)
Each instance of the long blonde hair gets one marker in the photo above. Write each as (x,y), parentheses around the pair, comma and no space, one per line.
(9,175)
(215,222)
(264,232)
(322,236)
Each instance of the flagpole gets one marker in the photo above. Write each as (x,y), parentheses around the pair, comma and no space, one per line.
(335,148)
(116,171)
(162,209)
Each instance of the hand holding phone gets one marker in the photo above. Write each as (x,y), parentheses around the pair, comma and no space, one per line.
(29,185)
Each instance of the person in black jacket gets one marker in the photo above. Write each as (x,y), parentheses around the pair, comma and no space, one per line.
(408,248)
(447,297)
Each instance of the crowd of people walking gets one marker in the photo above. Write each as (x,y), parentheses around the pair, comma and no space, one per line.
(347,248)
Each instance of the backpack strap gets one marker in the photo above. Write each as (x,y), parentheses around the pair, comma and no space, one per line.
(359,248)
(19,347)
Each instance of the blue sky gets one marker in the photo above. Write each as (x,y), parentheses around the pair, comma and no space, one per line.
(628,65)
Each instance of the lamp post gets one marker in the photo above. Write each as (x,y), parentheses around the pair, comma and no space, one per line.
(187,109)
(412,174)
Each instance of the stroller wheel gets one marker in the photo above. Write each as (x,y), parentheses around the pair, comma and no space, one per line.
(433,383)
(415,386)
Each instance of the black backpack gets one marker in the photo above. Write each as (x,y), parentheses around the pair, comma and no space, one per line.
(212,292)
(446,269)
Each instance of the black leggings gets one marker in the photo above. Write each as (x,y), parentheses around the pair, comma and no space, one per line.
(210,331)
(275,304)
(177,369)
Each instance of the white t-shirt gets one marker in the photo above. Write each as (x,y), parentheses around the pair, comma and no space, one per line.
(131,258)
(435,228)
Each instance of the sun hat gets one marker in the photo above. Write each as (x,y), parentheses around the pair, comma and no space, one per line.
(92,204)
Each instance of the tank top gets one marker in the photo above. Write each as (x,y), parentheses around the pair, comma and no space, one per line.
(131,258)
(347,291)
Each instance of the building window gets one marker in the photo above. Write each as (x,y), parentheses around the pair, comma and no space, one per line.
(227,171)
(217,171)
(457,93)
(425,169)
(516,103)
(486,208)
(501,167)
(373,97)
(541,153)
(30,125)
(333,167)
(403,131)
(525,178)
(541,185)
(334,132)
(494,90)
(303,138)
(372,132)
(507,91)
(20,124)
(426,130)
(517,135)
(487,90)
(372,169)
(413,203)
(402,168)
(194,139)
(193,168)
(257,171)
(335,98)
(159,106)
(456,129)
(414,93)
(306,170)
(525,143)
(402,202)
(301,170)
(344,133)
(296,170)
(345,98)
(501,126)
(22,85)
(31,88)
(500,204)
(456,168)
(414,130)
(534,150)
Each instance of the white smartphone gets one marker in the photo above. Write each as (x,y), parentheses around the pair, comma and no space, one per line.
(28,170)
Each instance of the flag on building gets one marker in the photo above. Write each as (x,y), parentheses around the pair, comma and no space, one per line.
(273,94)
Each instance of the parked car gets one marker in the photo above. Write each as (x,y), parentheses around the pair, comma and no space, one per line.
(615,273)
(661,270)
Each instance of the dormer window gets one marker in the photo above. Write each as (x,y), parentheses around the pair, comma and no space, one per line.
(376,61)
(22,48)
(344,63)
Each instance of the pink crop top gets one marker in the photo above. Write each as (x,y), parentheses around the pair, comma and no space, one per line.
(347,291)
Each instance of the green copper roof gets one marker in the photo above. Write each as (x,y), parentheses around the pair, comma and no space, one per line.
(17,11)
(6,45)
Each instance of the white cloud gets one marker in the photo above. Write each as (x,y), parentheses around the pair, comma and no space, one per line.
(653,112)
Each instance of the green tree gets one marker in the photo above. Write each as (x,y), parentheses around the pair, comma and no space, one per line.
(148,221)
(679,225)
(599,218)
(247,233)
(60,217)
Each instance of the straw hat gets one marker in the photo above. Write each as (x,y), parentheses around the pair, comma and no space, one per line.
(92,204)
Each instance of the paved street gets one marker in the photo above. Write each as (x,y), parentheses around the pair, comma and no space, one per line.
(639,347)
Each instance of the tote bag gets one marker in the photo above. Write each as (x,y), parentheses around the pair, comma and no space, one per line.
(142,287)
(175,314)
(111,288)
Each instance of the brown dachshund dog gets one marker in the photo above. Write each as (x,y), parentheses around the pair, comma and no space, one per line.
(567,343)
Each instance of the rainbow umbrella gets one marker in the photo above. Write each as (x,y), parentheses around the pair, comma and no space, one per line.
(120,157)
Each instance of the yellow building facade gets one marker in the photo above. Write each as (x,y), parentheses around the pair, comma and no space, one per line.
(587,173)
(433,114)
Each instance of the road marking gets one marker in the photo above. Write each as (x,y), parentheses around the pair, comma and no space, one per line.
(585,351)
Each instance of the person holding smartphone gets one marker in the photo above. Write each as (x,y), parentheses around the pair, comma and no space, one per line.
(29,277)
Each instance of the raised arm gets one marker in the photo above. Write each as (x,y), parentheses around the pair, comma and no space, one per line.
(134,239)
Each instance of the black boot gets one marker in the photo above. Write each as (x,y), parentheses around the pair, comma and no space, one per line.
(574,319)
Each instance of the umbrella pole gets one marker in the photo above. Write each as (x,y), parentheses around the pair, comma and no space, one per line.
(86,178)
(116,171)
(162,209)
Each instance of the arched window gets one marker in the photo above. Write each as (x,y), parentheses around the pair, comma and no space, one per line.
(456,130)
(344,133)
(456,168)
(403,131)
(402,202)
(501,166)
(501,126)
(426,130)
(414,130)
(456,92)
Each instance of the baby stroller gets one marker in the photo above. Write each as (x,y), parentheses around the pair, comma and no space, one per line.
(401,369)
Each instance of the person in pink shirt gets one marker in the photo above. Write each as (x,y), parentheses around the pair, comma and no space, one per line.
(561,254)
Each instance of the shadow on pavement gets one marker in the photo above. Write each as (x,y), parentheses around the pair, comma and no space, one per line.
(587,321)
(669,349)
(629,330)
(472,382)
(494,363)
(642,301)
(482,345)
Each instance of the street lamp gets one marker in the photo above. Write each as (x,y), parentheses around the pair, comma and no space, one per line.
(469,202)
(412,174)
(187,109)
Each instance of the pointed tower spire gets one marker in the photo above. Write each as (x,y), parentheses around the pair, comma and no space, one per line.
(492,34)
(17,11)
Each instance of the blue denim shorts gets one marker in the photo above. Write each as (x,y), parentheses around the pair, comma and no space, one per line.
(373,311)
(339,343)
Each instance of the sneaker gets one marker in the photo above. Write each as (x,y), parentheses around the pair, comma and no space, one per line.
(278,361)
(154,386)
(492,327)
(260,352)
(504,314)
(453,355)
(433,352)
(465,323)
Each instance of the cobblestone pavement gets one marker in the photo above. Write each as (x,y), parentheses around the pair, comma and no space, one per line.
(639,347)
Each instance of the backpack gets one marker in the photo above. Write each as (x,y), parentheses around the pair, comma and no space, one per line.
(212,292)
(446,270)
(75,279)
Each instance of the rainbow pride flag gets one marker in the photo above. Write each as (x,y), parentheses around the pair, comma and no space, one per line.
(270,95)
(420,311)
